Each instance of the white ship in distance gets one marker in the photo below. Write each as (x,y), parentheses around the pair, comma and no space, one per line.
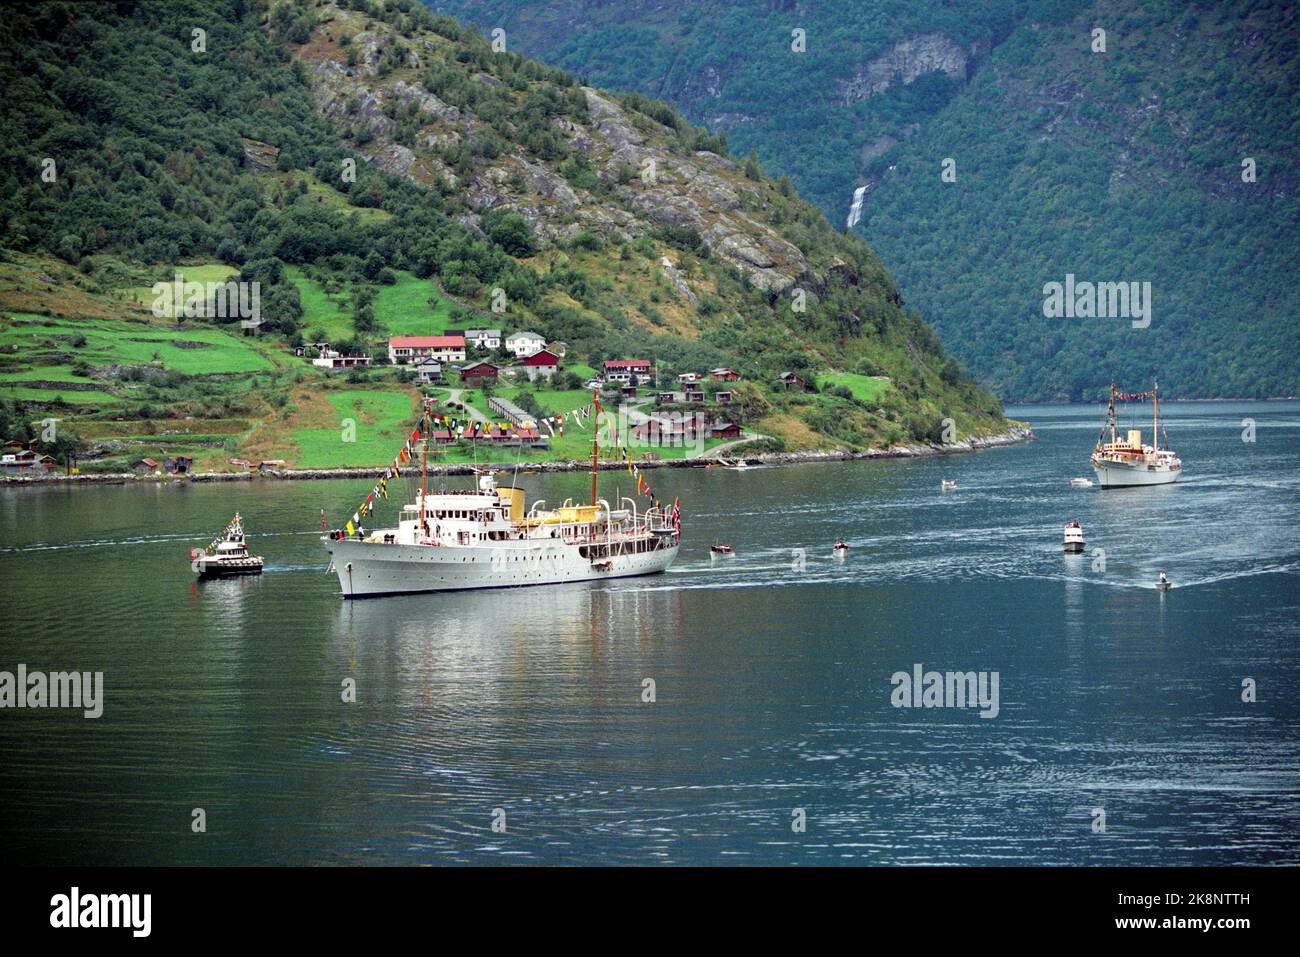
(1126,461)
(484,538)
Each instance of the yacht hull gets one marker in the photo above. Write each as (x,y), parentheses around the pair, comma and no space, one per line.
(1116,475)
(371,569)
(229,569)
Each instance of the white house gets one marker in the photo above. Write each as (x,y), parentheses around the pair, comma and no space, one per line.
(524,343)
(333,359)
(428,370)
(402,349)
(622,370)
(484,338)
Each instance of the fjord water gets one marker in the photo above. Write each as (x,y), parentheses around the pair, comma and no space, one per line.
(772,684)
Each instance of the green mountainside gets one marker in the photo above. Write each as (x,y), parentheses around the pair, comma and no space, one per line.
(1122,166)
(381,170)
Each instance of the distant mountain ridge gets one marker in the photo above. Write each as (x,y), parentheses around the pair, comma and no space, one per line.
(1116,166)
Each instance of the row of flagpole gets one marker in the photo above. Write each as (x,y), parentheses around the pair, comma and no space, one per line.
(235,525)
(553,423)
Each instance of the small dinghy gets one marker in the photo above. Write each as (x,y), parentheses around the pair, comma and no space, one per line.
(721,549)
(948,485)
(1074,537)
(227,555)
(1163,583)
(841,548)
(1081,482)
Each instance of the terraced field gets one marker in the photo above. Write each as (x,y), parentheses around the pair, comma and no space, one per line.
(99,342)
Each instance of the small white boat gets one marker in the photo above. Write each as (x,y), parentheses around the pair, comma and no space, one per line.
(1081,482)
(948,485)
(1163,583)
(1074,537)
(227,555)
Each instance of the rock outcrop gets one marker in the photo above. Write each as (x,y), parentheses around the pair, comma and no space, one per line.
(907,59)
(655,188)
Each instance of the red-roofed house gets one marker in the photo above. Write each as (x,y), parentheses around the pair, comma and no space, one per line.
(402,349)
(622,370)
(542,363)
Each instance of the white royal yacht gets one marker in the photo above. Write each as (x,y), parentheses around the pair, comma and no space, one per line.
(1126,461)
(484,538)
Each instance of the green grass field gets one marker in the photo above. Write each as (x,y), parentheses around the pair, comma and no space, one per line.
(193,351)
(556,401)
(403,309)
(54,373)
(379,433)
(197,272)
(330,313)
(78,397)
(326,195)
(865,388)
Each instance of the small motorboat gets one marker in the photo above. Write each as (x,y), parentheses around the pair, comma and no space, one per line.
(948,485)
(227,555)
(721,549)
(1081,482)
(1163,583)
(1074,537)
(841,548)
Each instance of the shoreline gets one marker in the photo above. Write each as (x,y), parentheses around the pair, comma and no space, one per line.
(1013,436)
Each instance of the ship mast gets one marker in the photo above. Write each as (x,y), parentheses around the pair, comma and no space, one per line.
(1112,413)
(1155,416)
(595,445)
(424,463)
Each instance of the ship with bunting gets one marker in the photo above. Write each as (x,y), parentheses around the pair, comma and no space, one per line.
(1124,460)
(487,537)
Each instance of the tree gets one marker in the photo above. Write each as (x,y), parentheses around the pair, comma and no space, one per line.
(511,232)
